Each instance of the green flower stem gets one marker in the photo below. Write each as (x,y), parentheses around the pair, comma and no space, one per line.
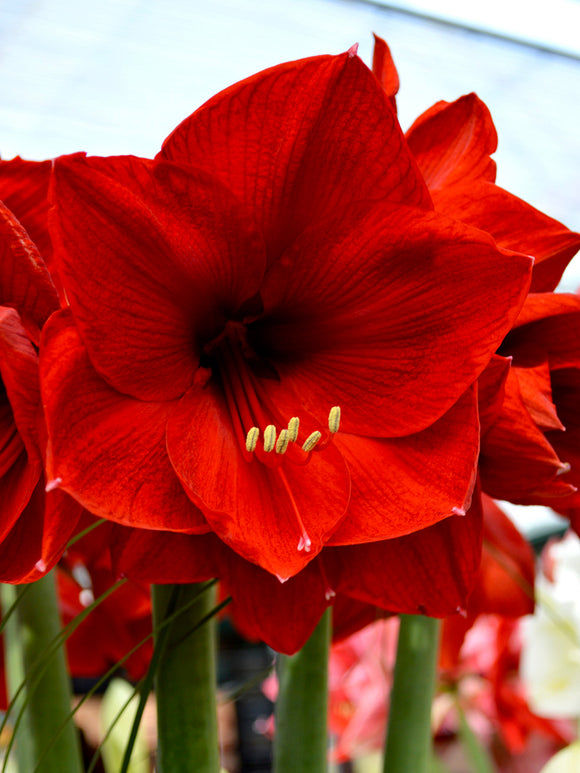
(48,695)
(14,669)
(301,742)
(409,742)
(186,680)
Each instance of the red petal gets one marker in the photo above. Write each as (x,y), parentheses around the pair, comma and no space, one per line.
(24,190)
(175,257)
(24,281)
(39,536)
(452,142)
(431,571)
(514,225)
(517,463)
(20,459)
(106,449)
(505,581)
(20,535)
(536,390)
(164,557)
(61,517)
(555,336)
(264,513)
(350,615)
(384,70)
(283,615)
(300,141)
(405,484)
(17,485)
(19,372)
(539,306)
(566,392)
(491,390)
(390,324)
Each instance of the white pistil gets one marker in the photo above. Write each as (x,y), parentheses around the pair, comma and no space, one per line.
(283,442)
(293,426)
(311,441)
(269,438)
(334,419)
(252,439)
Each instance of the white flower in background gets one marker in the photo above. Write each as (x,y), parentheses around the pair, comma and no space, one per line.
(566,761)
(550,661)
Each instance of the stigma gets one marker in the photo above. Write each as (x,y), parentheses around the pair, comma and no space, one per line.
(280,443)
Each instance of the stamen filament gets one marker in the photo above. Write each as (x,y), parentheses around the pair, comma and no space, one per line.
(304,543)
(244,383)
(311,441)
(238,410)
(269,438)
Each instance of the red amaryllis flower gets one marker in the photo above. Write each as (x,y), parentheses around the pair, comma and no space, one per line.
(430,571)
(279,260)
(34,527)
(522,430)
(528,447)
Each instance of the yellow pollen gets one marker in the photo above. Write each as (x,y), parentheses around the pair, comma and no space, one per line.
(269,438)
(283,442)
(252,439)
(293,426)
(334,419)
(311,441)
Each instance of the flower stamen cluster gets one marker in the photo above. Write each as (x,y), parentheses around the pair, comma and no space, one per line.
(290,435)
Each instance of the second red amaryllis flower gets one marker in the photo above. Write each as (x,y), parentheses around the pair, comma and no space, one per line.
(280,260)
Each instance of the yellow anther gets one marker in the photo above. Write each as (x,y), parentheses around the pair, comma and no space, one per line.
(283,442)
(334,419)
(269,438)
(293,426)
(311,441)
(252,439)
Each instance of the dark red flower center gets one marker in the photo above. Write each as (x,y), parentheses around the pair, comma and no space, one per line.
(262,430)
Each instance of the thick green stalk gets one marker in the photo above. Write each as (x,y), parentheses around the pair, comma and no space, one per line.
(14,670)
(48,693)
(300,744)
(186,681)
(408,745)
